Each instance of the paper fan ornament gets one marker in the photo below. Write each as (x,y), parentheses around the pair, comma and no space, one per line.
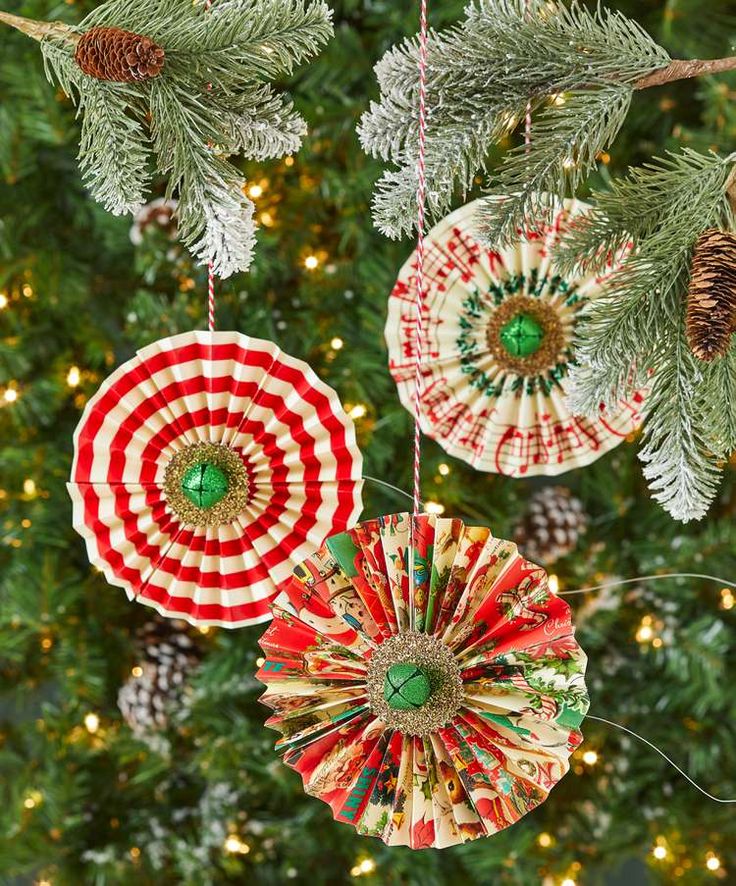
(497,343)
(205,468)
(430,708)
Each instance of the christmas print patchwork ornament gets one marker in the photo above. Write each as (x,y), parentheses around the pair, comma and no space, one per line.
(425,682)
(497,342)
(205,469)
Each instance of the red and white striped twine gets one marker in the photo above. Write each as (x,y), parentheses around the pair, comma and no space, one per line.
(421,216)
(211,267)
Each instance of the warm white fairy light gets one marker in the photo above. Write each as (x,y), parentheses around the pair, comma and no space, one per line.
(10,395)
(434,507)
(91,723)
(568,881)
(444,469)
(590,758)
(3,301)
(554,584)
(366,866)
(728,601)
(360,410)
(311,262)
(337,343)
(73,377)
(235,846)
(544,840)
(137,671)
(29,486)
(255,191)
(713,862)
(659,852)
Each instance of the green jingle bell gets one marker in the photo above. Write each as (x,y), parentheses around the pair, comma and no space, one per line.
(407,687)
(205,484)
(522,336)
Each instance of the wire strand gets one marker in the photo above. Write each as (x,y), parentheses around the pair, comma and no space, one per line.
(664,756)
(642,578)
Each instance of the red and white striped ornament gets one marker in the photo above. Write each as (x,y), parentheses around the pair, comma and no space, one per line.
(276,436)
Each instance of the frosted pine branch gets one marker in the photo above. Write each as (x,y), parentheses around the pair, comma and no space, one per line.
(211,98)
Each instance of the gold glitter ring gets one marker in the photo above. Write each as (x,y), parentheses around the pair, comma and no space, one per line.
(238,488)
(548,354)
(437,661)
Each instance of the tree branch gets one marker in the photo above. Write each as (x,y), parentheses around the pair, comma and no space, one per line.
(682,69)
(40,30)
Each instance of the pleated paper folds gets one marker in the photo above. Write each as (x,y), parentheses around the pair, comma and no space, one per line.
(430,706)
(497,341)
(283,472)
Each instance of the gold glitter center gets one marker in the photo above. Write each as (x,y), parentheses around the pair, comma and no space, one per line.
(550,351)
(440,665)
(229,507)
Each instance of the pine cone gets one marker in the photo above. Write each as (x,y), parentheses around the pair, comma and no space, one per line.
(168,655)
(118,55)
(711,300)
(552,525)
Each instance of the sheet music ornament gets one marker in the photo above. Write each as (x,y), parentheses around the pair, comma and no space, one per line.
(497,343)
(432,706)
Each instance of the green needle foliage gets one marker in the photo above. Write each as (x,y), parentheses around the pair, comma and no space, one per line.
(657,211)
(211,100)
(483,73)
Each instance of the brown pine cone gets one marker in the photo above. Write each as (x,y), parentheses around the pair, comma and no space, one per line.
(168,654)
(119,56)
(711,300)
(552,525)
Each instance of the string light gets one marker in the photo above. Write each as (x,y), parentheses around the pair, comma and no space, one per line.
(288,161)
(73,377)
(3,301)
(91,723)
(553,583)
(366,866)
(260,662)
(204,629)
(10,395)
(337,344)
(434,507)
(590,758)
(135,852)
(255,191)
(444,469)
(713,862)
(137,671)
(544,840)
(568,881)
(659,851)
(28,290)
(235,846)
(727,599)
(267,219)
(33,799)
(646,632)
(360,410)
(311,262)
(46,643)
(29,486)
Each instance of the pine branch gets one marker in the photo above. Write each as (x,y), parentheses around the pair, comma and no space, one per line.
(215,217)
(537,53)
(678,461)
(202,96)
(566,143)
(267,125)
(662,191)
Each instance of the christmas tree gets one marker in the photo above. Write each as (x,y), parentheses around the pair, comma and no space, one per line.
(126,760)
